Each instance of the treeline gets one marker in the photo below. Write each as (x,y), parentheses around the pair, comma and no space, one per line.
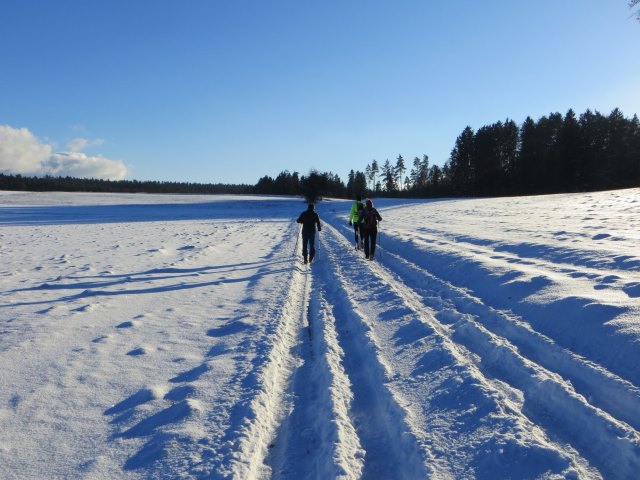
(313,186)
(72,184)
(554,154)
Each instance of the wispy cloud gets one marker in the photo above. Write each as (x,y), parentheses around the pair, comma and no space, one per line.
(21,152)
(79,144)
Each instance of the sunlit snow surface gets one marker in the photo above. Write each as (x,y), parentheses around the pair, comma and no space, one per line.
(166,336)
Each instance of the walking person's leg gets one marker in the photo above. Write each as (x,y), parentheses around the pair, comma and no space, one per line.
(312,243)
(374,235)
(295,249)
(305,242)
(366,243)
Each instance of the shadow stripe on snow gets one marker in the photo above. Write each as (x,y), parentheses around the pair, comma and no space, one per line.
(610,445)
(406,309)
(568,311)
(605,390)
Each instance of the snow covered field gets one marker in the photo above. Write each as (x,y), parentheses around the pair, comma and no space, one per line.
(180,337)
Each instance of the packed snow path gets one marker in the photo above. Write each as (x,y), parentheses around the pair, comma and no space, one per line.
(488,339)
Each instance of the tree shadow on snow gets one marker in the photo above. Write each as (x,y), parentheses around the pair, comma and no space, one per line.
(97,214)
(95,288)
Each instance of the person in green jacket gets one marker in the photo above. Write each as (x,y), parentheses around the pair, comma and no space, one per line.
(356,217)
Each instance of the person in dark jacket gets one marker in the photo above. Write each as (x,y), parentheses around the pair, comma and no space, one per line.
(370,229)
(309,220)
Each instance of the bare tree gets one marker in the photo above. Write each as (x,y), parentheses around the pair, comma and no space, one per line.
(633,4)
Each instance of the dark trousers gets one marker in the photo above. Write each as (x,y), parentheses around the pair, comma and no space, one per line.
(357,229)
(308,244)
(370,242)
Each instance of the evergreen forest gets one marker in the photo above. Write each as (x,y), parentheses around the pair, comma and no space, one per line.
(554,154)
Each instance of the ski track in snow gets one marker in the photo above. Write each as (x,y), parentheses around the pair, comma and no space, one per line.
(456,353)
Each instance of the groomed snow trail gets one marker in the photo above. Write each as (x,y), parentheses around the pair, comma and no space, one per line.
(422,390)
(555,410)
(190,342)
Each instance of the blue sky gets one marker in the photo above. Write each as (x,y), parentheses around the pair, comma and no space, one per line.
(229,91)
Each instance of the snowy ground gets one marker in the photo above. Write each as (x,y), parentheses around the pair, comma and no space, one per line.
(180,337)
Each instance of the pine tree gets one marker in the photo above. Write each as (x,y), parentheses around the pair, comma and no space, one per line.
(389,177)
(617,143)
(527,154)
(423,176)
(375,169)
(351,184)
(399,170)
(570,168)
(461,163)
(435,179)
(415,171)
(508,148)
(360,184)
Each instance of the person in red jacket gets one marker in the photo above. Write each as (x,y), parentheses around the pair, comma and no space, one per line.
(370,229)
(309,220)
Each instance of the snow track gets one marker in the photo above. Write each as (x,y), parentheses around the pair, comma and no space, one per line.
(563,390)
(549,400)
(318,439)
(390,449)
(384,316)
(574,408)
(478,344)
(269,404)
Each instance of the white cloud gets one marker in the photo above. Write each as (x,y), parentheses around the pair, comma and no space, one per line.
(23,153)
(78,164)
(79,144)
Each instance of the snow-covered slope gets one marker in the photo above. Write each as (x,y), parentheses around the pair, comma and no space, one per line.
(147,336)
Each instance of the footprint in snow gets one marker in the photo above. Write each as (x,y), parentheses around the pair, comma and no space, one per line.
(180,393)
(218,350)
(14,401)
(47,310)
(154,449)
(140,397)
(632,289)
(127,324)
(85,308)
(136,352)
(230,328)
(175,413)
(191,375)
